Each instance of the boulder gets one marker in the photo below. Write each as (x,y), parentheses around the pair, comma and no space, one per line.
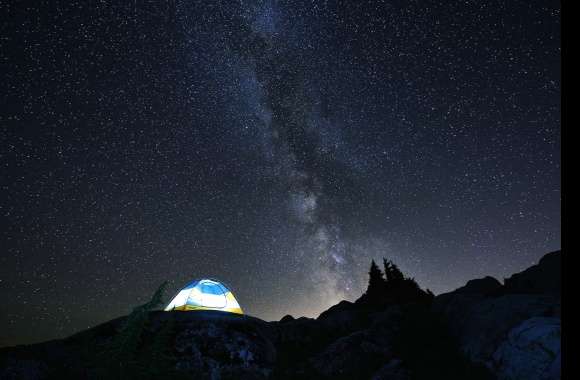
(503,328)
(392,371)
(24,370)
(355,356)
(343,320)
(531,351)
(482,326)
(209,350)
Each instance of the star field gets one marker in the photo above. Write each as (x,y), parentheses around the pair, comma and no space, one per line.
(278,146)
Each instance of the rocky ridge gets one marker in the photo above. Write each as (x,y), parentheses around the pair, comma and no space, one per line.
(483,330)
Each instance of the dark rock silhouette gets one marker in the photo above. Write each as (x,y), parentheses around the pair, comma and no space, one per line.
(287,318)
(483,330)
(543,278)
(483,286)
(511,329)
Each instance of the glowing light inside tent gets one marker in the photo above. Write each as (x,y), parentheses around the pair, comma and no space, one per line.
(205,294)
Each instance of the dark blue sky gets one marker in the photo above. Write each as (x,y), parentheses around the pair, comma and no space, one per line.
(277,146)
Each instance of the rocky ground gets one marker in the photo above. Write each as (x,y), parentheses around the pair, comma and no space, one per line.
(484,330)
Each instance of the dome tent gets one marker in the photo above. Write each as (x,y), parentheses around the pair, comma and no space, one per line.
(205,294)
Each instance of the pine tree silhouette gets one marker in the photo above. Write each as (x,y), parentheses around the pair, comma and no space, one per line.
(388,270)
(393,288)
(376,283)
(397,275)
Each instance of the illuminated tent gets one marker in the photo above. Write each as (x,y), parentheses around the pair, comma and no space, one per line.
(205,294)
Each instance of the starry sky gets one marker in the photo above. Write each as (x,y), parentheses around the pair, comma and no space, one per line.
(278,146)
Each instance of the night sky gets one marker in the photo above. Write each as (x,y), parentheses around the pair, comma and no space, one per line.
(277,146)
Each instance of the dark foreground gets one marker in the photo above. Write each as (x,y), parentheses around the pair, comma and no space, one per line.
(484,330)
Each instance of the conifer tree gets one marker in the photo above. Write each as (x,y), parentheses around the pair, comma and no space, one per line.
(396,273)
(376,281)
(388,271)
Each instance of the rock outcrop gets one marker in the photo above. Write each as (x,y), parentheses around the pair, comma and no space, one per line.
(543,278)
(483,330)
(512,329)
(531,350)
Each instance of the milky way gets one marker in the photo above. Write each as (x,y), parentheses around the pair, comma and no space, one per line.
(278,146)
(287,110)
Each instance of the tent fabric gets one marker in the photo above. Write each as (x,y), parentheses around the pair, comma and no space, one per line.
(205,294)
